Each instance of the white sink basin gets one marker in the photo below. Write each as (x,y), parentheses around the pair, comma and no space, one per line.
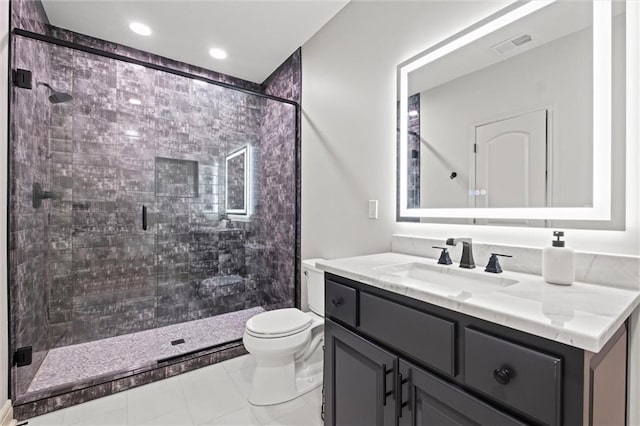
(450,278)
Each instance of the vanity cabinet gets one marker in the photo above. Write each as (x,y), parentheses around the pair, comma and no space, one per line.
(394,360)
(368,385)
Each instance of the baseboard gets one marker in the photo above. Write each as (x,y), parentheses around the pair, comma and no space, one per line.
(6,414)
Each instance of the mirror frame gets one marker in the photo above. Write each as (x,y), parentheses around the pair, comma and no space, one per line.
(601,209)
(245,211)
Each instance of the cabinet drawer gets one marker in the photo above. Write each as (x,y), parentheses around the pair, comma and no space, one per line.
(341,303)
(421,336)
(518,377)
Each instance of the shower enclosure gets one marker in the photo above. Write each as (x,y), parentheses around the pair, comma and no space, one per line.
(151,214)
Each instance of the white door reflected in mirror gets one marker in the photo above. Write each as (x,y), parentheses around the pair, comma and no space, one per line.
(511,161)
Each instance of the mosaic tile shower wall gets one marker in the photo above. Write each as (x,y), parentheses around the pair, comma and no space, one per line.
(93,272)
(29,15)
(283,164)
(139,137)
(277,211)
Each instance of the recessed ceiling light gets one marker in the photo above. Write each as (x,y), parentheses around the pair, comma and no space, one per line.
(134,101)
(218,53)
(140,29)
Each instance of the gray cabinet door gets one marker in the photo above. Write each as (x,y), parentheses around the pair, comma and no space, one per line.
(425,400)
(359,380)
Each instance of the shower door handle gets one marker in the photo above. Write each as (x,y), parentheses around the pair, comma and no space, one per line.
(144,218)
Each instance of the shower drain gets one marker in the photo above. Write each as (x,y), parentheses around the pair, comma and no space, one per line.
(177,342)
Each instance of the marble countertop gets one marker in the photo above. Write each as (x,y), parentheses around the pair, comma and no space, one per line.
(580,315)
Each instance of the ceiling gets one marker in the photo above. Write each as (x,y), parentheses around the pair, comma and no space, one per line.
(545,25)
(257,35)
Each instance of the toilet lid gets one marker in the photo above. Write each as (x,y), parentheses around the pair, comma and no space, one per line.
(281,322)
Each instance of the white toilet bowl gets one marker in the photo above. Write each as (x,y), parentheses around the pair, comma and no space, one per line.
(287,344)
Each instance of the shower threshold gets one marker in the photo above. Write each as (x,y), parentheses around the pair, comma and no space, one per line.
(74,364)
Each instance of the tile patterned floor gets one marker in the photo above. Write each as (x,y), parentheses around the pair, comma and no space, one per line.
(211,396)
(75,363)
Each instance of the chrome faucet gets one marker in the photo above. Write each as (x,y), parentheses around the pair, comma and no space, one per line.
(466,261)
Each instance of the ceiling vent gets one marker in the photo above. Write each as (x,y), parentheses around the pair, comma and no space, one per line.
(511,44)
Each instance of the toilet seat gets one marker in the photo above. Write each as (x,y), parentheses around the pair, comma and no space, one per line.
(278,323)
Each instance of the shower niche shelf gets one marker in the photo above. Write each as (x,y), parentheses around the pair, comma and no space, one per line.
(176,178)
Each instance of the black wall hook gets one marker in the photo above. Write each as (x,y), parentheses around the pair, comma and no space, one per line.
(453,175)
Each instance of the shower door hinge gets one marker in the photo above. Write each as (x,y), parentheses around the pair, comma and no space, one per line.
(22,78)
(475,148)
(23,356)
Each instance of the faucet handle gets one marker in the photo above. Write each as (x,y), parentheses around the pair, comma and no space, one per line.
(445,259)
(494,265)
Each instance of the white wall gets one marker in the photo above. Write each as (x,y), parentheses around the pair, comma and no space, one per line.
(4,326)
(348,123)
(349,136)
(349,133)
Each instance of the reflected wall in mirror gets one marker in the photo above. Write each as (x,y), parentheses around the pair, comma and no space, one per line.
(501,124)
(237,182)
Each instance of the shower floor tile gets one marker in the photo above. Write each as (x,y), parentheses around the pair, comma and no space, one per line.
(75,363)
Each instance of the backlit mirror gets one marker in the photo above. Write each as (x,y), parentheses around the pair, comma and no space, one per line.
(512,117)
(237,182)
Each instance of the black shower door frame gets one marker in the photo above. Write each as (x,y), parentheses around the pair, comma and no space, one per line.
(99,52)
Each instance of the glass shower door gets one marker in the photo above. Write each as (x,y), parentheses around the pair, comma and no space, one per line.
(111,168)
(166,216)
(92,281)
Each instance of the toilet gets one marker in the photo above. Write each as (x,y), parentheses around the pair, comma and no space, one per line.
(288,344)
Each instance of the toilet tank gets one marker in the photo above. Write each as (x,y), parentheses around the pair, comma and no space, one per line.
(312,291)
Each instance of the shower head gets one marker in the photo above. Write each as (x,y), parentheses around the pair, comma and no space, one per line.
(56,97)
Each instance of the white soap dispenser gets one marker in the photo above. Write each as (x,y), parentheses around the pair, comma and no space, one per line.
(558,262)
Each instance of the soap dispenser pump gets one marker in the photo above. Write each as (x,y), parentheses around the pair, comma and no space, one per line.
(558,264)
